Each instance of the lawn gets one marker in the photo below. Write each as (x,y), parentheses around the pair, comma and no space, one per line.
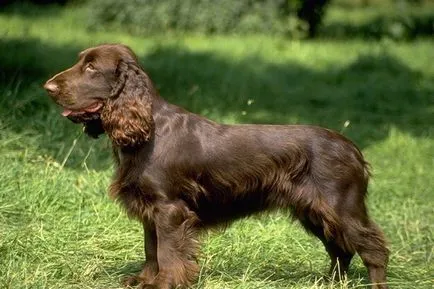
(59,229)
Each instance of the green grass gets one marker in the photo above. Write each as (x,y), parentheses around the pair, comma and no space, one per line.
(58,228)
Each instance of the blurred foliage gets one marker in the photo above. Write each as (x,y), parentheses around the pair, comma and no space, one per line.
(397,19)
(203,16)
(369,19)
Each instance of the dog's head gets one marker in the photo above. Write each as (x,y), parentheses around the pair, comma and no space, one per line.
(108,92)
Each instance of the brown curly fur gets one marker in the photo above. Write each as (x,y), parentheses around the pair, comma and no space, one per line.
(127,115)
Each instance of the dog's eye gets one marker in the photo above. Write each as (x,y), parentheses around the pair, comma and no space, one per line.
(90,68)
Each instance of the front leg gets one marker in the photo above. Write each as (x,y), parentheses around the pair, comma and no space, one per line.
(177,247)
(150,269)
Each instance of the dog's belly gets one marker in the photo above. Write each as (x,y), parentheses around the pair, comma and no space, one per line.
(223,207)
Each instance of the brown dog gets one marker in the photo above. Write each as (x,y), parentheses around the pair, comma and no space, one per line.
(178,172)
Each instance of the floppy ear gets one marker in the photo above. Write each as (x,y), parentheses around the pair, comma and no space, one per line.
(127,115)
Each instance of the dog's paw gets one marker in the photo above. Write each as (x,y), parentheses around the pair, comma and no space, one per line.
(147,286)
(131,281)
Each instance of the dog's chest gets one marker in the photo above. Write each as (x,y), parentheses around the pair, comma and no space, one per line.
(132,188)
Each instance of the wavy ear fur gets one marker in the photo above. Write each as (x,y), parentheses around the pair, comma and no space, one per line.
(127,115)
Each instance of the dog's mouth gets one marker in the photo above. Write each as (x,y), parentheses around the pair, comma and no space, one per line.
(95,107)
(84,115)
(89,116)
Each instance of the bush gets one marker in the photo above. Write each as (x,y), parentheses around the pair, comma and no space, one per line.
(204,16)
(292,18)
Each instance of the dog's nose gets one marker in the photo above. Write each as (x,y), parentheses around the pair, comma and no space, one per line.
(51,87)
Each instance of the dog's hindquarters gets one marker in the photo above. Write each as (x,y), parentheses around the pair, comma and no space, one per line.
(329,201)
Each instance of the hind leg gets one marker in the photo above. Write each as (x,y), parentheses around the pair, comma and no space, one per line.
(340,258)
(369,243)
(365,237)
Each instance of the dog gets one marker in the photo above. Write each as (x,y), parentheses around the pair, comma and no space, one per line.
(179,173)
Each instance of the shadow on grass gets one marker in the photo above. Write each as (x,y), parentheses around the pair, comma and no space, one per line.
(292,272)
(400,27)
(373,93)
(123,272)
